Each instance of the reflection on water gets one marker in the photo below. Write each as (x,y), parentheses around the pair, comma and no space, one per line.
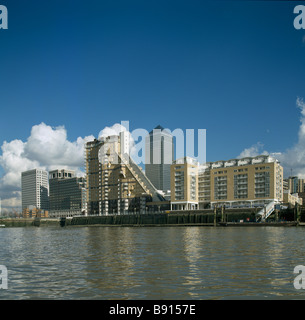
(151,263)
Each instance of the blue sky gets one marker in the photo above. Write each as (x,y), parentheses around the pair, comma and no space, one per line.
(234,68)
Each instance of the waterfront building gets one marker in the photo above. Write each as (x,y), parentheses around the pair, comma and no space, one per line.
(246,182)
(302,196)
(33,212)
(184,184)
(285,184)
(159,155)
(294,184)
(67,193)
(204,186)
(35,189)
(291,200)
(115,183)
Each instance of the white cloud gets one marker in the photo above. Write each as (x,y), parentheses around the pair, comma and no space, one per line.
(50,146)
(291,159)
(294,157)
(113,130)
(47,148)
(253,151)
(13,162)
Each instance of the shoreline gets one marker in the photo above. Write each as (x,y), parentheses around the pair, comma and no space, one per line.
(147,220)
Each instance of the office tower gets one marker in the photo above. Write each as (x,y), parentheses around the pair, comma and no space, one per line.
(67,193)
(184,184)
(115,183)
(35,189)
(159,155)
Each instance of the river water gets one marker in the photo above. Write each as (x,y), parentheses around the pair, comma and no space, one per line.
(152,263)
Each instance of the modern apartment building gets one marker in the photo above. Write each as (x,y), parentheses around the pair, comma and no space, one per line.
(184,184)
(115,184)
(67,193)
(246,182)
(35,189)
(159,155)
(294,185)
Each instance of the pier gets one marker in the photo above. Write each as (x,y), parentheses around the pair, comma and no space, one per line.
(217,217)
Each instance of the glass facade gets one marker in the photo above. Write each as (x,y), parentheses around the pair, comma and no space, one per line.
(66,192)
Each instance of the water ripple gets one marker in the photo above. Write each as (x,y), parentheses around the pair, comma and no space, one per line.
(151,263)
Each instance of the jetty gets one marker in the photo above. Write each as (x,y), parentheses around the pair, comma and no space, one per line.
(243,217)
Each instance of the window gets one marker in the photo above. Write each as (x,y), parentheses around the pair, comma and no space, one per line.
(220,187)
(240,186)
(262,185)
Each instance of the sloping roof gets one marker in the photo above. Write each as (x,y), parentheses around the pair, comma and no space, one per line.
(158,127)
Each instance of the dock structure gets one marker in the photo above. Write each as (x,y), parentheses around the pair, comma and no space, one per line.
(216,217)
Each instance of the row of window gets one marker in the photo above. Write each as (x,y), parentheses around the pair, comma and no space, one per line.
(241,170)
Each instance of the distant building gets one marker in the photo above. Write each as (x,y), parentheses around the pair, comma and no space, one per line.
(294,184)
(35,189)
(159,155)
(184,184)
(67,193)
(32,212)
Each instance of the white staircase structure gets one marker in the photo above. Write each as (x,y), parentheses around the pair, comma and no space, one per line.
(140,176)
(265,212)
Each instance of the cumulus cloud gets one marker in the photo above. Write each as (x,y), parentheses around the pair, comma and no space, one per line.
(50,146)
(46,148)
(253,151)
(292,158)
(111,131)
(115,130)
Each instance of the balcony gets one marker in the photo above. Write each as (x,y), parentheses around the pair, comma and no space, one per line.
(221,179)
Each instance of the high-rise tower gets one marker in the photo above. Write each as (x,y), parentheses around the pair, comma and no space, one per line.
(159,155)
(35,189)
